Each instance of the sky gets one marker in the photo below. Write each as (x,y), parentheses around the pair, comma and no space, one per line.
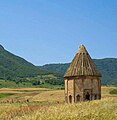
(51,31)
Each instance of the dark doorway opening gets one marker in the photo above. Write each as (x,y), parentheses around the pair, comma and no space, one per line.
(87,96)
(70,99)
(77,98)
(95,97)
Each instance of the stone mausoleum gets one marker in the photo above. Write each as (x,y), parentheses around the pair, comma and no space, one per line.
(82,79)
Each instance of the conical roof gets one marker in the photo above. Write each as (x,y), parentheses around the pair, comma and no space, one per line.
(82,65)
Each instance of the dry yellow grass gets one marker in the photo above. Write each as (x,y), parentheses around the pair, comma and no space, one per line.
(21,90)
(106,91)
(50,96)
(105,109)
(54,108)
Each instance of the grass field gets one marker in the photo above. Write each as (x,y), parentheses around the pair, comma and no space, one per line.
(48,104)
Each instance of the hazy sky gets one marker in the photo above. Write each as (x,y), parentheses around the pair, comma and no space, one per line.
(50,31)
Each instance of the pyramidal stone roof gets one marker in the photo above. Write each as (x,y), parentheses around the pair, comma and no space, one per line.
(82,65)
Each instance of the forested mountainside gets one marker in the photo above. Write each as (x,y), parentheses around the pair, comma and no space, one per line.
(107,67)
(12,66)
(17,69)
(17,72)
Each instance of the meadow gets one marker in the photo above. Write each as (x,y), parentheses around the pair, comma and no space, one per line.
(48,104)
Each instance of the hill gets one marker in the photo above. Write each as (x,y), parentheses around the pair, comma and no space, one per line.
(17,72)
(12,66)
(25,74)
(107,67)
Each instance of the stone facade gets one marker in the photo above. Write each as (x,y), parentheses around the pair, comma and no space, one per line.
(82,87)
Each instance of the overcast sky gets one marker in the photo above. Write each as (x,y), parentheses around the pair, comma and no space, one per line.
(50,31)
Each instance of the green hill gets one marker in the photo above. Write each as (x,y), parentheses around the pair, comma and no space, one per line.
(23,73)
(12,66)
(107,67)
(17,72)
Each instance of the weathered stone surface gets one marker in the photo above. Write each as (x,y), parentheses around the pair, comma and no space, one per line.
(82,79)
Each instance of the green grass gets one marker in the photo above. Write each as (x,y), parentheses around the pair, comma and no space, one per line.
(4,95)
(114,91)
(55,87)
(12,84)
(32,82)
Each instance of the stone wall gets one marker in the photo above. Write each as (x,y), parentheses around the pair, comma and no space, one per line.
(76,89)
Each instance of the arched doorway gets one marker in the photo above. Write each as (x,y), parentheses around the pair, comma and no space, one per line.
(77,98)
(95,97)
(87,97)
(70,99)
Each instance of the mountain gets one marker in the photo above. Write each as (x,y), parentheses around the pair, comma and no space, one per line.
(18,70)
(107,67)
(12,66)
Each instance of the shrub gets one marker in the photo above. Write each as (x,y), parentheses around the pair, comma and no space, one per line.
(114,91)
